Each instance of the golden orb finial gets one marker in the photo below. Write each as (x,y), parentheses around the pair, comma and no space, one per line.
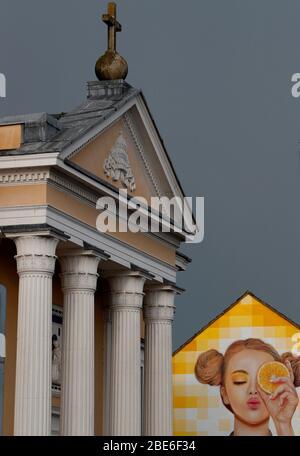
(111,65)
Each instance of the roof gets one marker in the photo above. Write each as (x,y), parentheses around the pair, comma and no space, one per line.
(53,132)
(235,303)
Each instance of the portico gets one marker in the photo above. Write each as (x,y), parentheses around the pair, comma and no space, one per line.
(116,290)
(131,292)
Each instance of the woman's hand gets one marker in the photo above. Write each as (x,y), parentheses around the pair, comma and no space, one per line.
(283,402)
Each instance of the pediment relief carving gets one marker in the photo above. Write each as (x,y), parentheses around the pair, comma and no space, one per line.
(117,166)
(123,154)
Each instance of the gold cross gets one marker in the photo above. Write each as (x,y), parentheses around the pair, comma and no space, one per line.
(110,19)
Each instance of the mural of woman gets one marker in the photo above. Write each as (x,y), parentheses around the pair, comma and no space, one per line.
(235,373)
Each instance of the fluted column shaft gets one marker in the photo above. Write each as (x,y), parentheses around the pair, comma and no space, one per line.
(79,282)
(126,298)
(106,371)
(158,316)
(35,264)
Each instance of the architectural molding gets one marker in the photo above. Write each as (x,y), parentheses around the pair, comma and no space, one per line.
(26,176)
(28,160)
(158,147)
(69,185)
(160,150)
(35,265)
(79,233)
(81,281)
(135,137)
(154,138)
(182,261)
(72,187)
(95,132)
(159,314)
(57,159)
(46,175)
(92,134)
(104,188)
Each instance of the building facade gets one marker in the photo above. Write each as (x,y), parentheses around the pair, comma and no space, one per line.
(87,289)
(116,289)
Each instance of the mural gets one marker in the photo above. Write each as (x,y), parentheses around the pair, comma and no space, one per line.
(213,370)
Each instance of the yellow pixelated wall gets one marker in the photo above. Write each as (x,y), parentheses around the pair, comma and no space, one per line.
(197,408)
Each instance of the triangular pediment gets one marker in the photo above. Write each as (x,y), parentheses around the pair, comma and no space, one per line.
(119,157)
(125,151)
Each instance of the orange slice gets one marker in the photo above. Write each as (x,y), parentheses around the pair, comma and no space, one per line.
(266,373)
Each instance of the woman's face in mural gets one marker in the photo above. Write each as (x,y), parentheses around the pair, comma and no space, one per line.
(240,386)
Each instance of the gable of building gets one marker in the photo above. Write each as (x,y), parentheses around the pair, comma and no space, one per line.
(197,408)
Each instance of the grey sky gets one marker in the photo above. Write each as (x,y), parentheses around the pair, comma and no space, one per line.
(216,75)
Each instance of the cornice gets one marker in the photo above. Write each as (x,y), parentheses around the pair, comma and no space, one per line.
(135,137)
(29,176)
(69,185)
(46,175)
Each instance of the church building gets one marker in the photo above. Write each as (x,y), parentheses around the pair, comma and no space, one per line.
(86,315)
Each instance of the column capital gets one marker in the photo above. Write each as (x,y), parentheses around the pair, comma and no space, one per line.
(126,288)
(118,273)
(164,286)
(159,303)
(35,252)
(79,269)
(86,250)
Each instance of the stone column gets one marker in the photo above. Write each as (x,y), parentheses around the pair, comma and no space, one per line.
(35,264)
(158,316)
(79,282)
(106,371)
(126,299)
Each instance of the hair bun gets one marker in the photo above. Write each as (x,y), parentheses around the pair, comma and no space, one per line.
(295,364)
(208,368)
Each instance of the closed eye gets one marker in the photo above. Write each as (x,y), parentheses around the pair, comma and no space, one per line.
(239,377)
